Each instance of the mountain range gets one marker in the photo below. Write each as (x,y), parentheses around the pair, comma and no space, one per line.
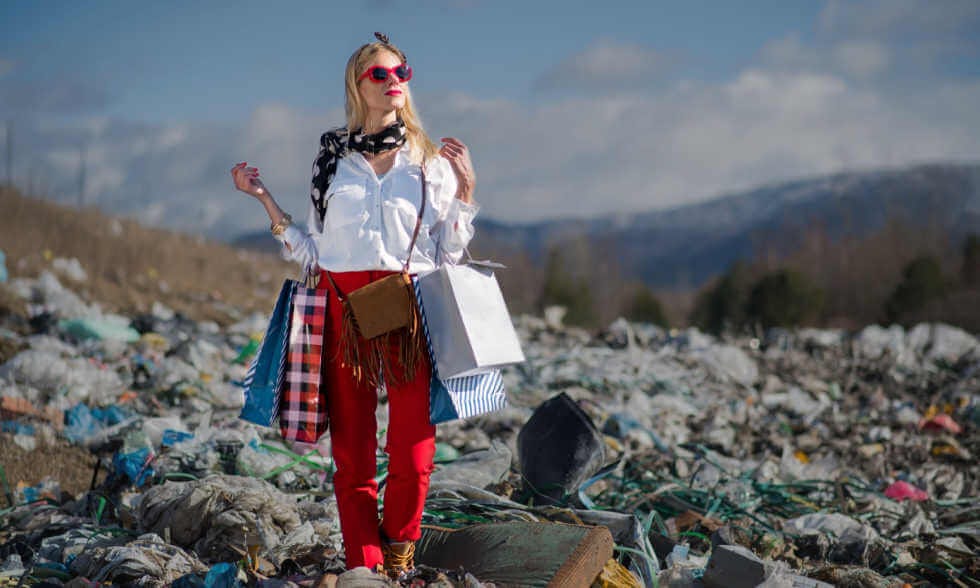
(686,246)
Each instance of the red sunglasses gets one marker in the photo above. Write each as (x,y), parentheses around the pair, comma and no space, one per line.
(379,73)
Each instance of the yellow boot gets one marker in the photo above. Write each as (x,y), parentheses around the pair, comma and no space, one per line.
(399,557)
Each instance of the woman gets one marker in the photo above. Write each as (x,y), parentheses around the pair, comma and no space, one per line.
(366,196)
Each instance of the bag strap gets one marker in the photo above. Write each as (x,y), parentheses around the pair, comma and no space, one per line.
(411,246)
(418,223)
(336,289)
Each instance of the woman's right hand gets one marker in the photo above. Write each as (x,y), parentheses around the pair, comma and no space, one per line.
(247,180)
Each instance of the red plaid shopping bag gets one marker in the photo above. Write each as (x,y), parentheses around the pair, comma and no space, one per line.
(303,415)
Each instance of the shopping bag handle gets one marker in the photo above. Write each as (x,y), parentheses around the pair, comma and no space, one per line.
(484,263)
(310,276)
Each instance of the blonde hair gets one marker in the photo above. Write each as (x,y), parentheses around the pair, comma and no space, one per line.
(421,147)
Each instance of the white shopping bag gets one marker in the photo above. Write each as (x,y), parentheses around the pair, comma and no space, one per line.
(468,322)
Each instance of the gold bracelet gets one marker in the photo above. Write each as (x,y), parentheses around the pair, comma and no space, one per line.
(280,227)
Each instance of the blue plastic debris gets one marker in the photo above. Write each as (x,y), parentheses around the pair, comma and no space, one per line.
(16,428)
(47,569)
(110,415)
(172,437)
(678,554)
(101,328)
(188,581)
(83,422)
(47,489)
(223,575)
(134,464)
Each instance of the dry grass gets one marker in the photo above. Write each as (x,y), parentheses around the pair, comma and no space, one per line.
(130,266)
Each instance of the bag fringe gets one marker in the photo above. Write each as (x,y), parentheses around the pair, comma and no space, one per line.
(370,359)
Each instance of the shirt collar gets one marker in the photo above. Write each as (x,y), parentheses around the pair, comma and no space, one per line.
(401,160)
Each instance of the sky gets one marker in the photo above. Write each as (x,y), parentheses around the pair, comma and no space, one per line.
(570,109)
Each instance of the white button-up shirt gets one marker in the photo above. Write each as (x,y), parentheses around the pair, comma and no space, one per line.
(370,219)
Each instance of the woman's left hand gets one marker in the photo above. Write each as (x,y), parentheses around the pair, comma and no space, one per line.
(458,156)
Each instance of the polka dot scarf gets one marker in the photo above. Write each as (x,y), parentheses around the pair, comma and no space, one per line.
(336,144)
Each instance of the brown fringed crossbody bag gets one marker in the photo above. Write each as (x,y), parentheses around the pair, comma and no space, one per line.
(378,312)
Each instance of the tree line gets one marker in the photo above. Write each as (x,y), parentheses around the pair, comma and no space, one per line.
(895,275)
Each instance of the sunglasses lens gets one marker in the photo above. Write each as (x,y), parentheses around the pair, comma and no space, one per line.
(379,73)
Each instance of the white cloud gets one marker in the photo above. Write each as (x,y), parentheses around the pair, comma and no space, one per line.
(855,59)
(786,51)
(898,41)
(802,108)
(861,59)
(576,156)
(61,95)
(582,156)
(607,65)
(176,174)
(900,19)
(919,35)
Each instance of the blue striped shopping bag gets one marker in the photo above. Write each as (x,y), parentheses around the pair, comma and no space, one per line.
(464,396)
(266,373)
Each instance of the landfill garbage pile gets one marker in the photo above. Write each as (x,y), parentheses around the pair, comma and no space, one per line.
(634,457)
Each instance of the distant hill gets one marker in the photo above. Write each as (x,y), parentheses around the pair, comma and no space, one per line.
(686,246)
(130,266)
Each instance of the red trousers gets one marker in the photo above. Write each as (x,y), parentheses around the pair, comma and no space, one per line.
(353,440)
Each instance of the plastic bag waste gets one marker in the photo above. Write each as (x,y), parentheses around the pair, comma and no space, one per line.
(478,468)
(111,327)
(902,490)
(145,561)
(559,448)
(134,464)
(215,515)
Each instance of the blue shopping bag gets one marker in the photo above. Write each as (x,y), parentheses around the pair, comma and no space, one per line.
(266,373)
(463,396)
